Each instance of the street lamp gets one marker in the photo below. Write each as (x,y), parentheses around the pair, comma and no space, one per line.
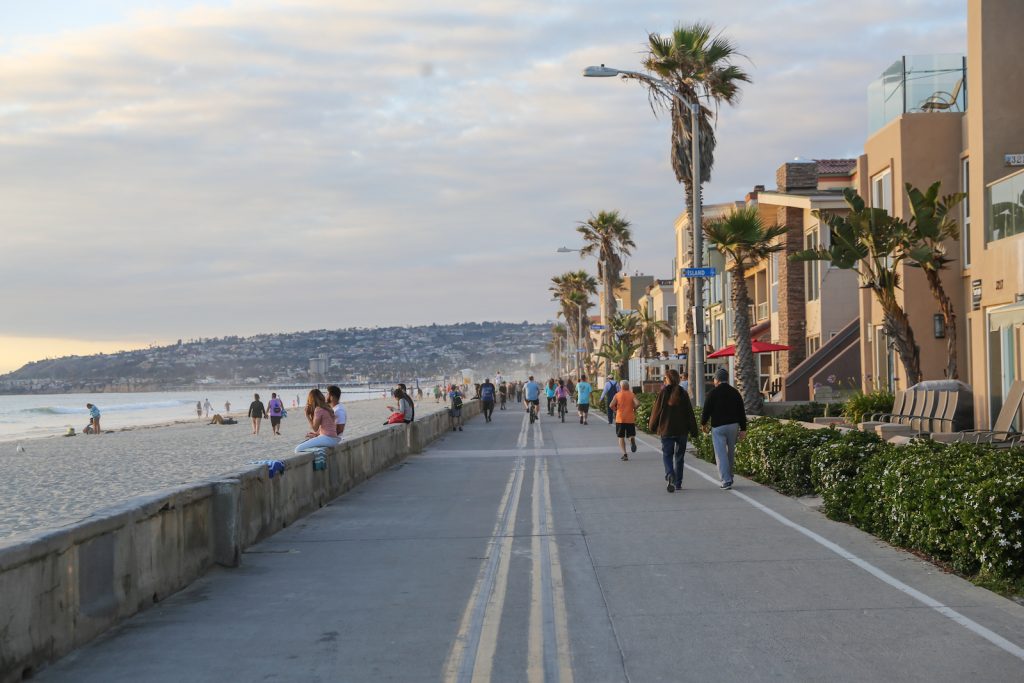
(696,226)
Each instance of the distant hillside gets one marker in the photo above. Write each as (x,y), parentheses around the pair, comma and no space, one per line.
(348,355)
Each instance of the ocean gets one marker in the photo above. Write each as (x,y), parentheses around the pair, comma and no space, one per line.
(39,415)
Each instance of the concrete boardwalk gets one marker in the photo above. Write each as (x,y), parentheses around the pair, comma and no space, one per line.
(517,553)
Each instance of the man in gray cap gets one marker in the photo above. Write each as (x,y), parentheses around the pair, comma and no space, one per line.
(723,408)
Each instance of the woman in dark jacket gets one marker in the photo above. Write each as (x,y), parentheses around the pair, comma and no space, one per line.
(672,419)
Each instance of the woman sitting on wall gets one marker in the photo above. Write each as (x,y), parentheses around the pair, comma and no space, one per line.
(321,422)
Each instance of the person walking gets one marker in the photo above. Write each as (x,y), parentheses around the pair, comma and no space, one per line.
(275,409)
(455,412)
(610,389)
(502,395)
(206,407)
(583,391)
(624,404)
(437,393)
(256,413)
(199,410)
(94,418)
(723,409)
(323,433)
(227,407)
(487,396)
(672,419)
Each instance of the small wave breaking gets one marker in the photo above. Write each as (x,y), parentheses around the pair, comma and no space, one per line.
(116,408)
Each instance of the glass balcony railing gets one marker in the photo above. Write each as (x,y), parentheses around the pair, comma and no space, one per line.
(1005,202)
(918,83)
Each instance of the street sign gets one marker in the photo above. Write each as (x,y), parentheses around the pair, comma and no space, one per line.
(597,327)
(581,350)
(699,272)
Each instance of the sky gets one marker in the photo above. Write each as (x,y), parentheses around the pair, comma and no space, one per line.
(225,167)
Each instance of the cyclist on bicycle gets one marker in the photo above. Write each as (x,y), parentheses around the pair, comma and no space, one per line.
(531,394)
(549,391)
(562,396)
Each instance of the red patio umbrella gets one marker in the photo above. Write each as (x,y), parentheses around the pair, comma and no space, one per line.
(755,346)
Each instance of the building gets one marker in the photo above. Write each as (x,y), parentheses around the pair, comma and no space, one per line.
(660,303)
(956,119)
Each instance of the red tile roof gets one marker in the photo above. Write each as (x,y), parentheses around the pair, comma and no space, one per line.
(843,167)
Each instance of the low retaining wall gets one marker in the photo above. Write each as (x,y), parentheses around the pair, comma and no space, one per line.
(61,588)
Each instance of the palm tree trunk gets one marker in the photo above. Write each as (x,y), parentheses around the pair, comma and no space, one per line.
(691,357)
(948,319)
(606,314)
(746,371)
(896,324)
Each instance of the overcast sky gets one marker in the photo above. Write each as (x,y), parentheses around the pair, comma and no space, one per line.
(231,167)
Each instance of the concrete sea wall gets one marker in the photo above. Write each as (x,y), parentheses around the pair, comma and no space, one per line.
(61,588)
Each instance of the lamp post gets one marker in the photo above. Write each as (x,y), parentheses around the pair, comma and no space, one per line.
(579,319)
(696,226)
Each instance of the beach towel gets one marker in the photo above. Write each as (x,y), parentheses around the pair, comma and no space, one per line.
(273,466)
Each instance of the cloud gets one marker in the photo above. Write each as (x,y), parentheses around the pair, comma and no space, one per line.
(307,164)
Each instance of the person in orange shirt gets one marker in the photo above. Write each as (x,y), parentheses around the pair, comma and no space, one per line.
(625,403)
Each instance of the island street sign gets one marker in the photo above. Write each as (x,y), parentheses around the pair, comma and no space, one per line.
(699,272)
(597,327)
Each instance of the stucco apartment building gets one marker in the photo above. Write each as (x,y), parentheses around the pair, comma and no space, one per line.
(956,120)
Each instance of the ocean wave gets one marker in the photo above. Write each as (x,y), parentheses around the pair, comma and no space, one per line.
(117,408)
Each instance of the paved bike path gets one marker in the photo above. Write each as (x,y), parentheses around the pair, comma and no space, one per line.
(511,552)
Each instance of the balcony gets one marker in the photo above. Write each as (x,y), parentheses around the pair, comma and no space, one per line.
(918,83)
(1005,202)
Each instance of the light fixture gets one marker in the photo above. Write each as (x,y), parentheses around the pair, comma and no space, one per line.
(939,326)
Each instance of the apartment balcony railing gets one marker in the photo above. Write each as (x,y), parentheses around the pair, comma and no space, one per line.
(917,83)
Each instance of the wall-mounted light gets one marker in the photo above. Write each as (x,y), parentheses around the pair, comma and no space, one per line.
(939,326)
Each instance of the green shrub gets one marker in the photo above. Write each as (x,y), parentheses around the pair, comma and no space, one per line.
(779,454)
(859,406)
(643,412)
(806,412)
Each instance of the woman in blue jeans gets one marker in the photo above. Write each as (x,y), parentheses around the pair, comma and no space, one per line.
(672,419)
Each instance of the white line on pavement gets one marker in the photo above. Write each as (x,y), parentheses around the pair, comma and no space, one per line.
(942,609)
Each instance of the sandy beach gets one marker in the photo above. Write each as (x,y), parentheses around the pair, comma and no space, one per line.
(59,480)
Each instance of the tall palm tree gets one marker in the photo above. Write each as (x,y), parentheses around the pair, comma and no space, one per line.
(698,63)
(745,241)
(573,290)
(930,226)
(607,236)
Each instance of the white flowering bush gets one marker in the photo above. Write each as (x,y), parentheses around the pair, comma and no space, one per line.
(779,454)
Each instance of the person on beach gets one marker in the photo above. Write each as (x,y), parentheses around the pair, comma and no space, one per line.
(227,407)
(340,414)
(672,419)
(623,405)
(583,391)
(94,418)
(455,412)
(437,393)
(323,433)
(256,412)
(610,389)
(199,410)
(405,405)
(275,409)
(723,408)
(206,407)
(487,396)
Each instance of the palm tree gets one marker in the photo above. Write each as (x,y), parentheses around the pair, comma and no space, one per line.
(698,63)
(648,330)
(608,237)
(929,228)
(745,241)
(869,242)
(617,352)
(572,290)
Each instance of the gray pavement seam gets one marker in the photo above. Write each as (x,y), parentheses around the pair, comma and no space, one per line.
(971,625)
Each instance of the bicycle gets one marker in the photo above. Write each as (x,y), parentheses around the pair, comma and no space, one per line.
(551,406)
(561,409)
(533,411)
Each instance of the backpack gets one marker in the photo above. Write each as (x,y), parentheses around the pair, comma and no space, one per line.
(613,388)
(487,393)
(457,401)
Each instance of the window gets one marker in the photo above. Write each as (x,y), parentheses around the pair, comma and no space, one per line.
(773,298)
(965,233)
(670,316)
(813,344)
(881,191)
(812,269)
(1005,208)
